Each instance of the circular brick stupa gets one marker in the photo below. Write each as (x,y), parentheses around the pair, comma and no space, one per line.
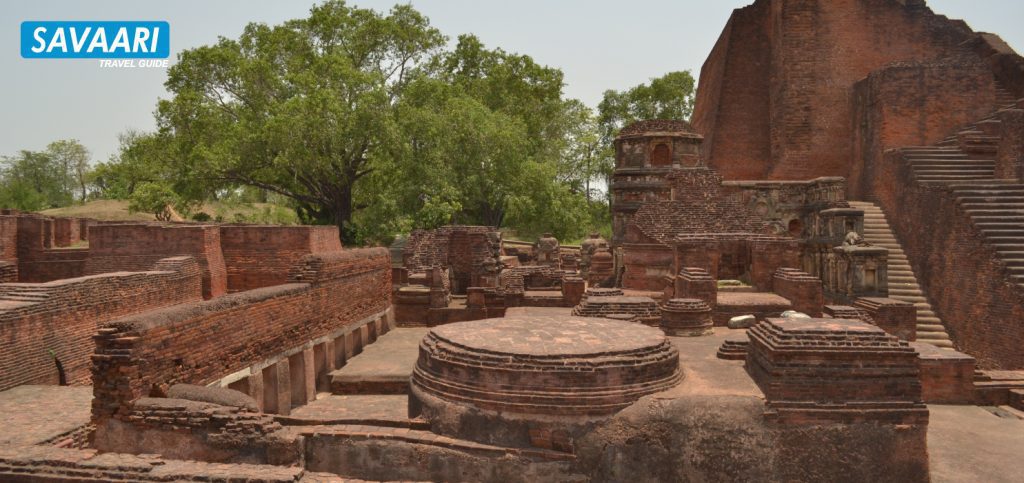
(538,381)
(686,318)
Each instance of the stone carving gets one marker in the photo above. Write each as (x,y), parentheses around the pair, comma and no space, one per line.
(853,239)
(547,251)
(587,250)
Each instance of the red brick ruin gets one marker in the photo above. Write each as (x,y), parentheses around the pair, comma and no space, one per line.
(821,278)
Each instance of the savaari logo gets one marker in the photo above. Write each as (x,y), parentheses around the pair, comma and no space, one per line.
(95,40)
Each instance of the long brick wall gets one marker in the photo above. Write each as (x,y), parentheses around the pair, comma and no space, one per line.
(133,247)
(258,256)
(775,100)
(43,323)
(202,342)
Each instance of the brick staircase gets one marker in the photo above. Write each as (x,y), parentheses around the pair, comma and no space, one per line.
(902,281)
(964,163)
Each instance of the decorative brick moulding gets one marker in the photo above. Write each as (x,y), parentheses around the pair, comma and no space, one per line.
(602,292)
(536,381)
(686,318)
(820,371)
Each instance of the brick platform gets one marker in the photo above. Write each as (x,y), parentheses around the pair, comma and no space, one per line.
(759,304)
(834,370)
(536,380)
(644,308)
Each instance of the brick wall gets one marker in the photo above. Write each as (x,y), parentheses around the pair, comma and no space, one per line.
(775,101)
(732,108)
(802,289)
(8,237)
(62,316)
(133,247)
(38,260)
(66,231)
(260,256)
(201,342)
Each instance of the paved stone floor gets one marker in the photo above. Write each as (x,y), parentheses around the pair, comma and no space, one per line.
(386,363)
(704,373)
(970,443)
(355,409)
(756,299)
(34,414)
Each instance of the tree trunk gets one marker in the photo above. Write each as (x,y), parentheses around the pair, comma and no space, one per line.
(343,215)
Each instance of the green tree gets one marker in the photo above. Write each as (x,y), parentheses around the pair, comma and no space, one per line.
(70,159)
(154,198)
(299,109)
(33,181)
(670,96)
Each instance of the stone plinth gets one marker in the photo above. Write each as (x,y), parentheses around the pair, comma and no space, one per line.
(644,308)
(686,318)
(834,371)
(697,283)
(734,347)
(947,376)
(537,381)
(573,289)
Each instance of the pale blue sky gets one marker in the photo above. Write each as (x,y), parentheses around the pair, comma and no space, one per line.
(599,44)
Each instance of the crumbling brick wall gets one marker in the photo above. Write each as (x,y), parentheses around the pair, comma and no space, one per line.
(260,256)
(462,248)
(201,342)
(134,247)
(43,323)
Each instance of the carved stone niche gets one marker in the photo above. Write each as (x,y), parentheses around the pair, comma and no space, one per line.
(858,271)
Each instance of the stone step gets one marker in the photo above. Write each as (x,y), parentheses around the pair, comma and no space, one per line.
(997,224)
(991,199)
(1017,399)
(948,177)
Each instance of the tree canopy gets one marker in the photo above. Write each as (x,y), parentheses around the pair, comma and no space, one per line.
(37,180)
(374,122)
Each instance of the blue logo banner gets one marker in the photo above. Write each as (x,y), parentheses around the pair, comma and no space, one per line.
(95,40)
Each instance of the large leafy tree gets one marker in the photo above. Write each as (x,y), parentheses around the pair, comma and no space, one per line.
(485,134)
(301,109)
(364,120)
